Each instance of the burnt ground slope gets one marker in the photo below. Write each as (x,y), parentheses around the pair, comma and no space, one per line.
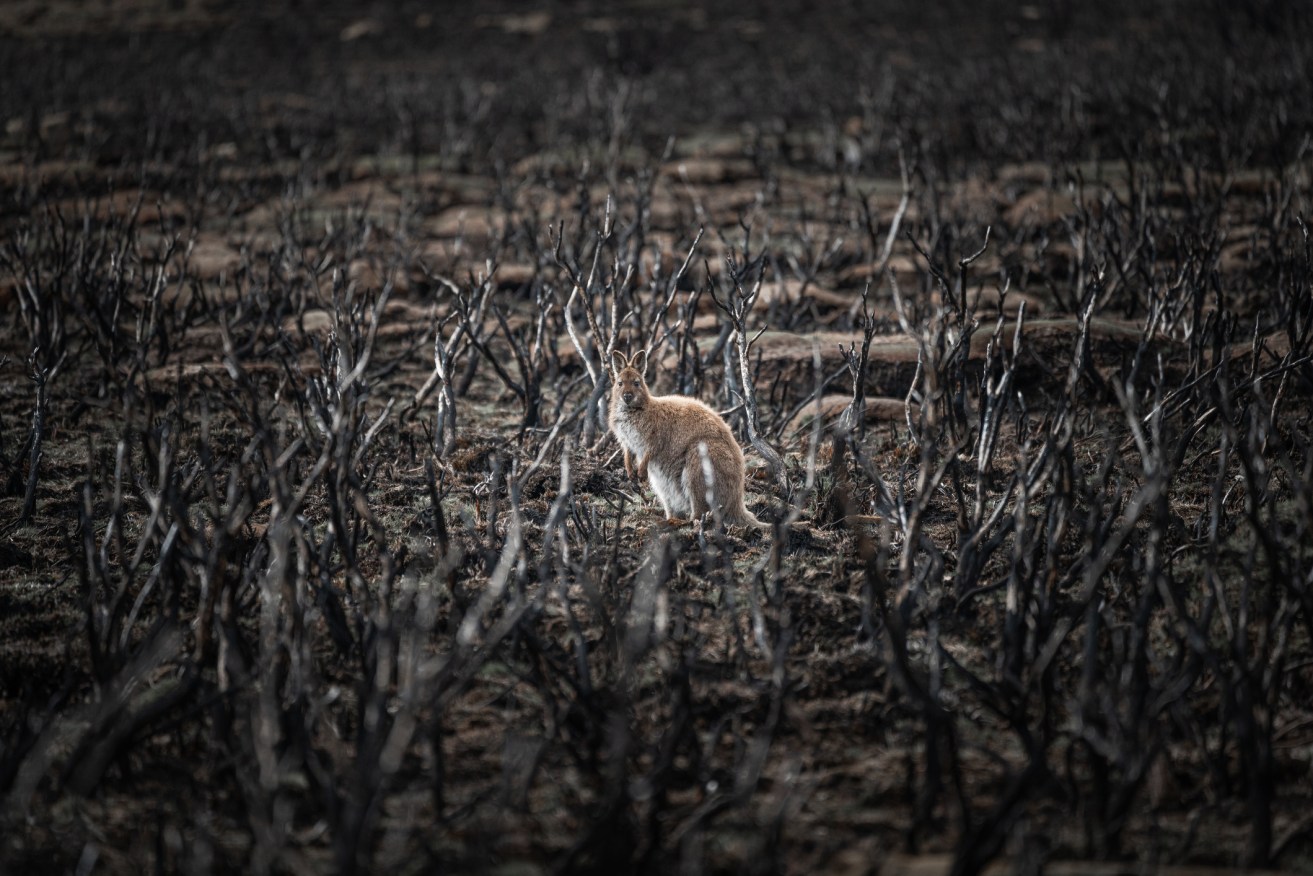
(316,555)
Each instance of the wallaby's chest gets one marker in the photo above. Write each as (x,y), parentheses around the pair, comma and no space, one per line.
(629,435)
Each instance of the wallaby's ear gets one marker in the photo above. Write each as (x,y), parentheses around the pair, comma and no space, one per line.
(639,361)
(618,361)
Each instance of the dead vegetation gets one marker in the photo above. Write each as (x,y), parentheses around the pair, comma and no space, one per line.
(317,554)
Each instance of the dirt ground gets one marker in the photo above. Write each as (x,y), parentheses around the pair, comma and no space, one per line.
(1025,305)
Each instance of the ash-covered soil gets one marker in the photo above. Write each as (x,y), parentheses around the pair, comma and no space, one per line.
(315,552)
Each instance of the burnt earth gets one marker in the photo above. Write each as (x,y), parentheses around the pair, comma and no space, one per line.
(1022,298)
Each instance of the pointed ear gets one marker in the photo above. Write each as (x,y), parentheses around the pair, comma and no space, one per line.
(639,361)
(618,362)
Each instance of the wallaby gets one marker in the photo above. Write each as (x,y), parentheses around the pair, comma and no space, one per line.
(684,449)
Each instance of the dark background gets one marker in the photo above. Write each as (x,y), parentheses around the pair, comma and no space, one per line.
(970,84)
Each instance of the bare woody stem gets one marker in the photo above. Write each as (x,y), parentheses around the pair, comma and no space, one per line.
(736,307)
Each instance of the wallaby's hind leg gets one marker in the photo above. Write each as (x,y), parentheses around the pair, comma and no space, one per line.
(672,515)
(661,497)
(669,491)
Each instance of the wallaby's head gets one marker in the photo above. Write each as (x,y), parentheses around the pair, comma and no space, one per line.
(630,387)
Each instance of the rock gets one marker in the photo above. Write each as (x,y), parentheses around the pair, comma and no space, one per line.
(709,171)
(831,407)
(1039,207)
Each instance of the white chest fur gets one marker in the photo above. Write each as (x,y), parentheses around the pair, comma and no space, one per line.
(629,437)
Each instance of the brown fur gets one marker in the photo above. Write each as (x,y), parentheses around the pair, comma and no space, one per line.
(662,438)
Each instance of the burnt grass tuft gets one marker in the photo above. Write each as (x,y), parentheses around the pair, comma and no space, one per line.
(315,552)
